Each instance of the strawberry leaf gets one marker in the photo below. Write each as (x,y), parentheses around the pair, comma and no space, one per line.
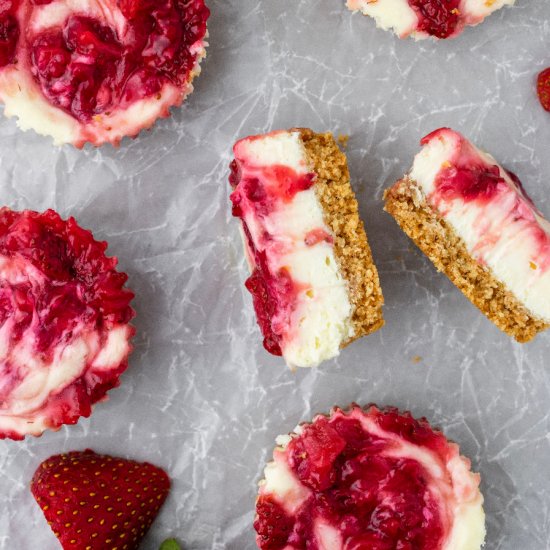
(170,544)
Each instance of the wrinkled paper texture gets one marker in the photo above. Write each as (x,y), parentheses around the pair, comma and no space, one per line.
(201,397)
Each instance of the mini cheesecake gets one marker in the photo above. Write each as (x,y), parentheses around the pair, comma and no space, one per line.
(96,71)
(425,18)
(473,219)
(64,322)
(314,285)
(368,479)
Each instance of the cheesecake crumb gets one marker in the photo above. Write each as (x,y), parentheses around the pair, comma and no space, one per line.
(343,140)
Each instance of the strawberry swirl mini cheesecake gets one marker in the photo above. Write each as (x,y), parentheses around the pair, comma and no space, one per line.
(97,70)
(424,18)
(370,478)
(473,219)
(315,287)
(64,322)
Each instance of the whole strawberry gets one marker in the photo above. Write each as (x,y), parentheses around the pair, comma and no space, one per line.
(543,88)
(98,502)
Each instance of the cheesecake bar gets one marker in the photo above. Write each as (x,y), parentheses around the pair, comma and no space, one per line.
(476,223)
(314,285)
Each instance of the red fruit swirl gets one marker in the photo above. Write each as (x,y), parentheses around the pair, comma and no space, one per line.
(273,294)
(466,175)
(543,88)
(9,31)
(317,236)
(439,18)
(359,475)
(477,182)
(95,59)
(64,314)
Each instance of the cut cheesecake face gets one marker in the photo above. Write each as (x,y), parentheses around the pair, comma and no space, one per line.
(425,18)
(98,70)
(64,322)
(476,223)
(369,479)
(314,285)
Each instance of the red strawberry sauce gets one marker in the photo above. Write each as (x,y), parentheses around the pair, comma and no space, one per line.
(438,18)
(273,294)
(470,182)
(85,67)
(467,176)
(318,236)
(375,501)
(9,31)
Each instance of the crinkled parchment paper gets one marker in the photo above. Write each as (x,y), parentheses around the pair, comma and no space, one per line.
(201,397)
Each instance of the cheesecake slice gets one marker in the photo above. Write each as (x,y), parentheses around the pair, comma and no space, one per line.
(473,219)
(314,285)
(425,18)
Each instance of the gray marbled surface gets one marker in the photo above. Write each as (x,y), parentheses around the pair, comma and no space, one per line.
(201,397)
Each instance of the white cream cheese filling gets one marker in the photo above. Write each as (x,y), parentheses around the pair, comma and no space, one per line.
(474,11)
(396,15)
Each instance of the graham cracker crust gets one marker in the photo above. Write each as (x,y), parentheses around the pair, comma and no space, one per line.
(407,204)
(351,247)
